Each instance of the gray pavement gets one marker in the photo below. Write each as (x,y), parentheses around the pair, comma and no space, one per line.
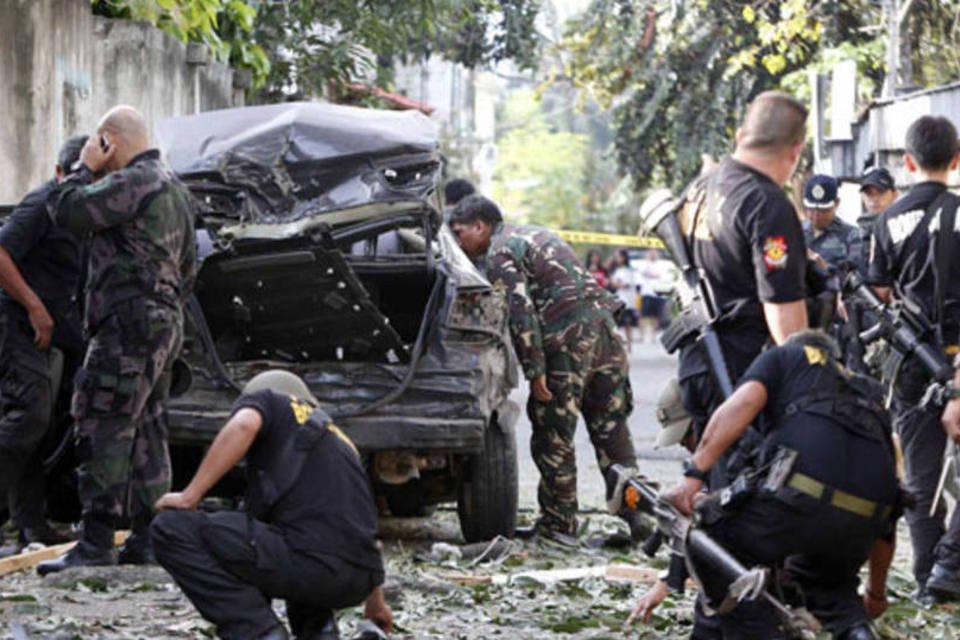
(650,369)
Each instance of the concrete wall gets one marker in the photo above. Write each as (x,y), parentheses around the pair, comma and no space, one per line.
(62,67)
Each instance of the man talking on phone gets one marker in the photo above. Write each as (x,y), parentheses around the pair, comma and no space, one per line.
(138,226)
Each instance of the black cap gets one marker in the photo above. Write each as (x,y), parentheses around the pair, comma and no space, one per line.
(877,177)
(820,192)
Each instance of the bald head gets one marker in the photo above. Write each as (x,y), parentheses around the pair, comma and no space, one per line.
(125,129)
(774,122)
(125,123)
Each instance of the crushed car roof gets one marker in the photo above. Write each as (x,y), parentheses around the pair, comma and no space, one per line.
(292,132)
(279,162)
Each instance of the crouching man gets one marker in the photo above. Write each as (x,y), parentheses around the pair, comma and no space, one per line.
(307,535)
(827,484)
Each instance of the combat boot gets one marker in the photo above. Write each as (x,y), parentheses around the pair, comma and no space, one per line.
(863,631)
(325,629)
(95,549)
(943,584)
(137,550)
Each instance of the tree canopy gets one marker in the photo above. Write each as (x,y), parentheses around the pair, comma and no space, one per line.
(297,48)
(678,74)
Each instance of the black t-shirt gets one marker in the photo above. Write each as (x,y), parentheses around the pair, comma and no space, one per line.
(749,243)
(828,451)
(902,254)
(329,509)
(48,257)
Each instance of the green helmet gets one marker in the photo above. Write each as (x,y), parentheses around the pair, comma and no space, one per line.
(280,381)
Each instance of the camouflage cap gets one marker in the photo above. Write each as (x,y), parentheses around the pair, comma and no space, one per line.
(674,419)
(280,381)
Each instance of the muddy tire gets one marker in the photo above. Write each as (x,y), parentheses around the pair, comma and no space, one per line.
(487,495)
(407,500)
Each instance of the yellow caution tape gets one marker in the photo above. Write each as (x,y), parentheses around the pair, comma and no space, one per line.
(589,237)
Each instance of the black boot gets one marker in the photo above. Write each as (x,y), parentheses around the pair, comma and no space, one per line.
(863,631)
(94,549)
(943,584)
(137,550)
(329,631)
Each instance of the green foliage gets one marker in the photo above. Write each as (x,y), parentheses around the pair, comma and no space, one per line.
(541,171)
(224,26)
(679,74)
(297,48)
(316,46)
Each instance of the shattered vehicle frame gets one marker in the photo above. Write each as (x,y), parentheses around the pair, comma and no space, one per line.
(323,252)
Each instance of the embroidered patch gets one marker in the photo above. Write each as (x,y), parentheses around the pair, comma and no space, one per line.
(775,252)
(301,410)
(815,355)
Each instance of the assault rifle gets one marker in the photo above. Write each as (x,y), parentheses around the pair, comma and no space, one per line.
(903,325)
(730,581)
(658,214)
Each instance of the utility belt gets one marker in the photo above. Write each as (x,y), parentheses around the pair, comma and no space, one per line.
(774,476)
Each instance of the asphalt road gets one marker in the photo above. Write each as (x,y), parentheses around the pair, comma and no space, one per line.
(650,368)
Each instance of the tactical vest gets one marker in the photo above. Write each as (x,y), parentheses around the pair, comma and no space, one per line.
(850,400)
(266,487)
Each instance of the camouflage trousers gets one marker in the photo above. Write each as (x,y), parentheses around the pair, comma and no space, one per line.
(588,375)
(118,405)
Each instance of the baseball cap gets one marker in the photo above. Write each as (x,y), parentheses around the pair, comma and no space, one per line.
(820,192)
(674,419)
(877,177)
(280,381)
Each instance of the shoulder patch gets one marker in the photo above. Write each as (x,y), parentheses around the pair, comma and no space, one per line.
(775,252)
(301,410)
(814,355)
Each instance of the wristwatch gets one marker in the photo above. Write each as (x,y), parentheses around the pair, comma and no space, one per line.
(691,470)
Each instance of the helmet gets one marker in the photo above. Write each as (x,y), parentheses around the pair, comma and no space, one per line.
(280,381)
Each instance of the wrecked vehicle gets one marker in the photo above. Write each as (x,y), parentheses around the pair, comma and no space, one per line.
(323,252)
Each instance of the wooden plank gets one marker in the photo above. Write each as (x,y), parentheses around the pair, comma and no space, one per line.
(613,572)
(30,559)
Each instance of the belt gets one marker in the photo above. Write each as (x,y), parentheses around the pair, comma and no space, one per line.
(840,499)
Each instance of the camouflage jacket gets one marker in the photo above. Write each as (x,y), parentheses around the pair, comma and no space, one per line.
(551,296)
(139,223)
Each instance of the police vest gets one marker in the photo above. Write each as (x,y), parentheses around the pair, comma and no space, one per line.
(267,486)
(849,400)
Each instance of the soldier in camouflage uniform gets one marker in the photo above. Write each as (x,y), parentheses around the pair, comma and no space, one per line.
(562,325)
(138,223)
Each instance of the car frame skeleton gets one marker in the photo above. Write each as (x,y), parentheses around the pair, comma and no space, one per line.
(323,252)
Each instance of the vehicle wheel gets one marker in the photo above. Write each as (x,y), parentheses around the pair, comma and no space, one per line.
(487,495)
(407,500)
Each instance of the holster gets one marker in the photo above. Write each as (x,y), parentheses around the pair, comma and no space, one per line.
(682,330)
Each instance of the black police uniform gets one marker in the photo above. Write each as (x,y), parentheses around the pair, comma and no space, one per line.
(749,243)
(307,536)
(837,500)
(49,261)
(902,256)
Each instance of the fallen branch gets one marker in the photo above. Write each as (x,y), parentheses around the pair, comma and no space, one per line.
(30,559)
